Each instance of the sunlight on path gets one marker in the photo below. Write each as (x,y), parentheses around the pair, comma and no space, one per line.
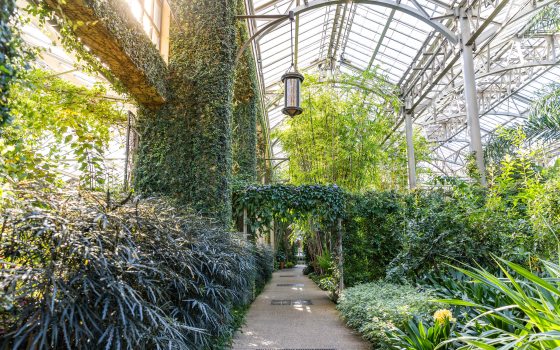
(281,318)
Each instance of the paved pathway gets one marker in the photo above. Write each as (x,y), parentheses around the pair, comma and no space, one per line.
(295,327)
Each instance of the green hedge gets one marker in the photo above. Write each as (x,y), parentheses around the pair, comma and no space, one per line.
(404,236)
(373,236)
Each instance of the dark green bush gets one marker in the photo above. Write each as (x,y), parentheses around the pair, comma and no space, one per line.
(450,226)
(403,236)
(87,274)
(264,264)
(373,235)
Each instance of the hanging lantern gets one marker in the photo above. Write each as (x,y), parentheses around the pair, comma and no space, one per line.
(292,91)
(292,81)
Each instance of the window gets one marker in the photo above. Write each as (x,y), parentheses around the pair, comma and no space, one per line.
(154,17)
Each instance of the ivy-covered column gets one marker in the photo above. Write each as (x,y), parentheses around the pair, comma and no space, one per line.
(246,107)
(8,52)
(185,145)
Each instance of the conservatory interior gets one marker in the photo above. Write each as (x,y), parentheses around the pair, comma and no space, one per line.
(280,174)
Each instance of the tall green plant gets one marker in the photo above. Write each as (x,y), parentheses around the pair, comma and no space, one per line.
(339,137)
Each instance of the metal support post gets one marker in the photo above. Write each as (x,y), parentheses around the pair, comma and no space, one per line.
(245,231)
(471,103)
(340,258)
(410,149)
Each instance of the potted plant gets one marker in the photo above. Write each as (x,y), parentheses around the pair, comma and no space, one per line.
(281,258)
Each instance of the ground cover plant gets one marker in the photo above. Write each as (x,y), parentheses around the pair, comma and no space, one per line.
(376,308)
(84,272)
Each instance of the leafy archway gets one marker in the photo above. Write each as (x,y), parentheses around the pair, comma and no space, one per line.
(322,206)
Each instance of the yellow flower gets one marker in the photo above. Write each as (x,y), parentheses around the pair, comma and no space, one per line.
(440,316)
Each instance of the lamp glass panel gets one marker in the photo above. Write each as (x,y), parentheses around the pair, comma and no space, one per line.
(292,92)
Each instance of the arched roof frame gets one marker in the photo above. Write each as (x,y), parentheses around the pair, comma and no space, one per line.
(395,5)
(433,78)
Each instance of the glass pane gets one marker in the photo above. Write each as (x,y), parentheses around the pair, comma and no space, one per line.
(147,24)
(136,9)
(157,15)
(149,7)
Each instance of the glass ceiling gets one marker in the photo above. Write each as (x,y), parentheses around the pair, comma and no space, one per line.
(516,56)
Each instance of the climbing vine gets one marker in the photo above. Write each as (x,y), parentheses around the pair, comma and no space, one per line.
(12,54)
(116,19)
(185,146)
(245,109)
(285,203)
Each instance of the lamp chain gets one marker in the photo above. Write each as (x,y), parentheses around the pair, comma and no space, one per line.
(292,38)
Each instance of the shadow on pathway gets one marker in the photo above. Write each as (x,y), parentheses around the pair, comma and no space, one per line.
(292,324)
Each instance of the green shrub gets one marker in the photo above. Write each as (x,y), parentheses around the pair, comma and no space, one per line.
(404,236)
(378,307)
(373,235)
(80,272)
(449,226)
(418,336)
(265,266)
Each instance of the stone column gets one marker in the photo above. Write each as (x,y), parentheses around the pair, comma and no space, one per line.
(185,145)
(246,108)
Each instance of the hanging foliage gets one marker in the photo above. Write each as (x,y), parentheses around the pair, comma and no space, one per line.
(286,203)
(12,54)
(54,120)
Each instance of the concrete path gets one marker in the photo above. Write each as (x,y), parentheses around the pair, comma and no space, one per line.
(293,325)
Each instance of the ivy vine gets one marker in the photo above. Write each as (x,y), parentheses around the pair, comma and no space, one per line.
(11,54)
(285,203)
(186,145)
(246,109)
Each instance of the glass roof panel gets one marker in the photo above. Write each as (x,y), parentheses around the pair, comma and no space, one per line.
(348,37)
